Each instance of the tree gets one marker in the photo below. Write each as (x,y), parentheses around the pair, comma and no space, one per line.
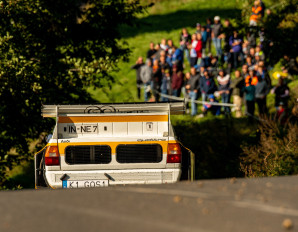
(279,27)
(50,51)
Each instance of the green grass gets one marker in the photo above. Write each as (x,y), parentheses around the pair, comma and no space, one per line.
(216,141)
(164,20)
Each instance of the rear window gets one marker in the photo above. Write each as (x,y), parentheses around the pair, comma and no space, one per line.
(88,154)
(139,153)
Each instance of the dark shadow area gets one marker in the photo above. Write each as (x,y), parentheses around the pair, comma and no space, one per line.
(176,20)
(216,144)
(25,179)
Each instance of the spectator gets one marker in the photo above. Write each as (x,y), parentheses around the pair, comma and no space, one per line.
(185,90)
(217,35)
(228,32)
(163,63)
(256,14)
(151,51)
(185,41)
(209,30)
(252,53)
(263,8)
(237,86)
(244,73)
(139,64)
(224,89)
(290,65)
(251,78)
(177,57)
(177,81)
(199,48)
(249,62)
(262,89)
(163,45)
(250,98)
(170,46)
(198,28)
(207,85)
(157,75)
(192,87)
(260,53)
(282,93)
(261,72)
(156,56)
(204,40)
(250,40)
(245,50)
(165,84)
(146,75)
(213,67)
(214,109)
(236,48)
(193,52)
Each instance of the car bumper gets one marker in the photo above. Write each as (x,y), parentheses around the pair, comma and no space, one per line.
(116,177)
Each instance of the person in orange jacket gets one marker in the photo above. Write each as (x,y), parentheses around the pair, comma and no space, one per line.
(256,13)
(252,77)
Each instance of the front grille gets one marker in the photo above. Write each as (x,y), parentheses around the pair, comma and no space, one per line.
(139,153)
(88,154)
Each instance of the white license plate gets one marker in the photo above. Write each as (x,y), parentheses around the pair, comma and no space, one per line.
(84,183)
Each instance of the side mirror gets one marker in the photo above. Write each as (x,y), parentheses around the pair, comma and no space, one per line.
(49,136)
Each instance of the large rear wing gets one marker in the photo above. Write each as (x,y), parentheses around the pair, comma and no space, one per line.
(171,108)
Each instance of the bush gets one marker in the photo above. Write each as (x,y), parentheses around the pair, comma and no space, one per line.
(275,154)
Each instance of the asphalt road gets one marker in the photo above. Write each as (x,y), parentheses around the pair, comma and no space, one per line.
(252,205)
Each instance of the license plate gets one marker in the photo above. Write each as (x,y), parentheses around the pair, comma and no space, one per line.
(84,183)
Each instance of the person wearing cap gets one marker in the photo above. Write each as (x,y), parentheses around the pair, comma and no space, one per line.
(214,109)
(216,35)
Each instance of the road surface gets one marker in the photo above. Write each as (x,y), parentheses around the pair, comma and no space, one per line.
(229,205)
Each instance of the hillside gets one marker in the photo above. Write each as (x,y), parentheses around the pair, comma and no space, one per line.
(216,141)
(164,20)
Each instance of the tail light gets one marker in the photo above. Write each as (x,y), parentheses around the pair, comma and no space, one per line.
(52,157)
(174,153)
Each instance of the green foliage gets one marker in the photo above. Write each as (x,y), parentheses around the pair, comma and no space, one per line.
(280,27)
(216,143)
(50,52)
(275,154)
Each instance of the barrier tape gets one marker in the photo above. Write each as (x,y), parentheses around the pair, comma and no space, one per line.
(195,101)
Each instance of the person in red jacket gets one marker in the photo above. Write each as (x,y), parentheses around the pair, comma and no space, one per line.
(177,81)
(199,48)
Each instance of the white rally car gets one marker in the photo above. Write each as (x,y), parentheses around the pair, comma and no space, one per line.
(109,144)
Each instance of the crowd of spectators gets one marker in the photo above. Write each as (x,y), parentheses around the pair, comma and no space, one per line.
(210,76)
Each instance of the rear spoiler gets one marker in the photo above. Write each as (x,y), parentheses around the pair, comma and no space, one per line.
(177,107)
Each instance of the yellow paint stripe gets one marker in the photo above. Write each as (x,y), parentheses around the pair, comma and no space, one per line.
(122,118)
